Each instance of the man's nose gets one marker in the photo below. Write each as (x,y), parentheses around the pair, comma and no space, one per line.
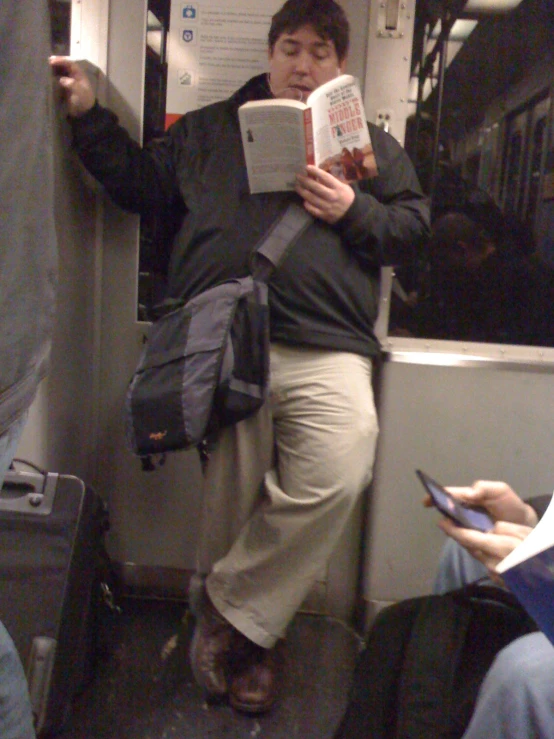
(303,63)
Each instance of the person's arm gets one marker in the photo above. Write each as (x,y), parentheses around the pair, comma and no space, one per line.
(78,93)
(491,547)
(384,219)
(499,499)
(138,179)
(514,520)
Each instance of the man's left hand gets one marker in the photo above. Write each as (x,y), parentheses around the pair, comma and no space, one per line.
(325,196)
(491,547)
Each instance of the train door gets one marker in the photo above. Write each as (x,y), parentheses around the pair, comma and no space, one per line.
(526,140)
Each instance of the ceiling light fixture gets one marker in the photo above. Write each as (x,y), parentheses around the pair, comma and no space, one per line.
(490,6)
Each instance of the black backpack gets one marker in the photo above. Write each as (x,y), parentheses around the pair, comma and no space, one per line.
(424,660)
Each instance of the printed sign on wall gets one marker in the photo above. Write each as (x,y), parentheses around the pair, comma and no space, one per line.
(213,48)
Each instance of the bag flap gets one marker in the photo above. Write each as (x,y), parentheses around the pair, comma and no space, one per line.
(199,326)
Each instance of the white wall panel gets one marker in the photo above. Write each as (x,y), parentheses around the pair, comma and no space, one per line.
(458,424)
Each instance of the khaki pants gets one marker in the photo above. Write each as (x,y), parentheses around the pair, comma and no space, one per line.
(281,485)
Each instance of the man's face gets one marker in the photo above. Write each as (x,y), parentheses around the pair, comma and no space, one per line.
(302,61)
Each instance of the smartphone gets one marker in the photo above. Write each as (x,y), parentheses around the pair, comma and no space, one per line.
(468,518)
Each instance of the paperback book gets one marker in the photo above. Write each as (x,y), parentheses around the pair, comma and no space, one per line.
(528,571)
(281,136)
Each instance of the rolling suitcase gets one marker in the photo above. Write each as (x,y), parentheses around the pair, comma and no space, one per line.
(50,528)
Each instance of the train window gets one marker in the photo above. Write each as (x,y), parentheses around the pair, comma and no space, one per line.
(536,161)
(471,169)
(60,23)
(539,115)
(487,272)
(513,170)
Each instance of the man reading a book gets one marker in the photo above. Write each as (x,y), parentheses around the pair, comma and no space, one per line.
(516,700)
(279,486)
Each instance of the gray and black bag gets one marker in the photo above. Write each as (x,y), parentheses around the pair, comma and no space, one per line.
(206,364)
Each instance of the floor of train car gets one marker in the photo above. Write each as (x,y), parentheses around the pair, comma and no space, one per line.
(144,688)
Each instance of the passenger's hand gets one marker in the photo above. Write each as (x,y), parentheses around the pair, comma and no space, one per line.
(325,196)
(491,547)
(498,498)
(75,84)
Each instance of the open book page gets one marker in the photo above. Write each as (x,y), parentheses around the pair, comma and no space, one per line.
(342,143)
(541,538)
(273,139)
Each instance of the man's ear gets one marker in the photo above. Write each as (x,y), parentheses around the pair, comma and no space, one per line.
(342,66)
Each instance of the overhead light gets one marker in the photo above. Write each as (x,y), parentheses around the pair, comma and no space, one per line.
(490,6)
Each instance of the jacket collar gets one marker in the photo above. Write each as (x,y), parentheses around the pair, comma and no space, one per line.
(255,89)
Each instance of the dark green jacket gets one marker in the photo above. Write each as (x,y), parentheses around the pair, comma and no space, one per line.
(325,293)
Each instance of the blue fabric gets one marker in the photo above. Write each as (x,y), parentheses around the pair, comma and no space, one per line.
(8,444)
(456,568)
(16,718)
(516,700)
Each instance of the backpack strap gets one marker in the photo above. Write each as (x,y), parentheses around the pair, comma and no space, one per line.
(281,236)
(431,661)
(372,706)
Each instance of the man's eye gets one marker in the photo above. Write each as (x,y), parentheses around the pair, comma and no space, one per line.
(322,55)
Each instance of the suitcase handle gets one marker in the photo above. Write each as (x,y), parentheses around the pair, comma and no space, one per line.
(28,492)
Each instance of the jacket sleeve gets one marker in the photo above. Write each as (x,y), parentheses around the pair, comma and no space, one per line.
(389,218)
(539,504)
(140,180)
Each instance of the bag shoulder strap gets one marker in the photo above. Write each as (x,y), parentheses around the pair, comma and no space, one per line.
(426,686)
(281,236)
(372,705)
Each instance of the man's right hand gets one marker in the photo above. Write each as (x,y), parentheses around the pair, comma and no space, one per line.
(75,84)
(498,498)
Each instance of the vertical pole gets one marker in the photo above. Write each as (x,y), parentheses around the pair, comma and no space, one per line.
(443,45)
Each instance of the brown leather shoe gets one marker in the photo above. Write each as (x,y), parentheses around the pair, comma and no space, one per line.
(209,650)
(255,675)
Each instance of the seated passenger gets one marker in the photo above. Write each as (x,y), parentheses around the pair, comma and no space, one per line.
(479,288)
(516,699)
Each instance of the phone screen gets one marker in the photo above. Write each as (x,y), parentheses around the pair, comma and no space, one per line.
(469,518)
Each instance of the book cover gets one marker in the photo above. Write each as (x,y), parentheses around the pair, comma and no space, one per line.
(281,136)
(528,571)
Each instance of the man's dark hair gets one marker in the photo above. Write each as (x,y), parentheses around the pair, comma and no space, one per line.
(326,17)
